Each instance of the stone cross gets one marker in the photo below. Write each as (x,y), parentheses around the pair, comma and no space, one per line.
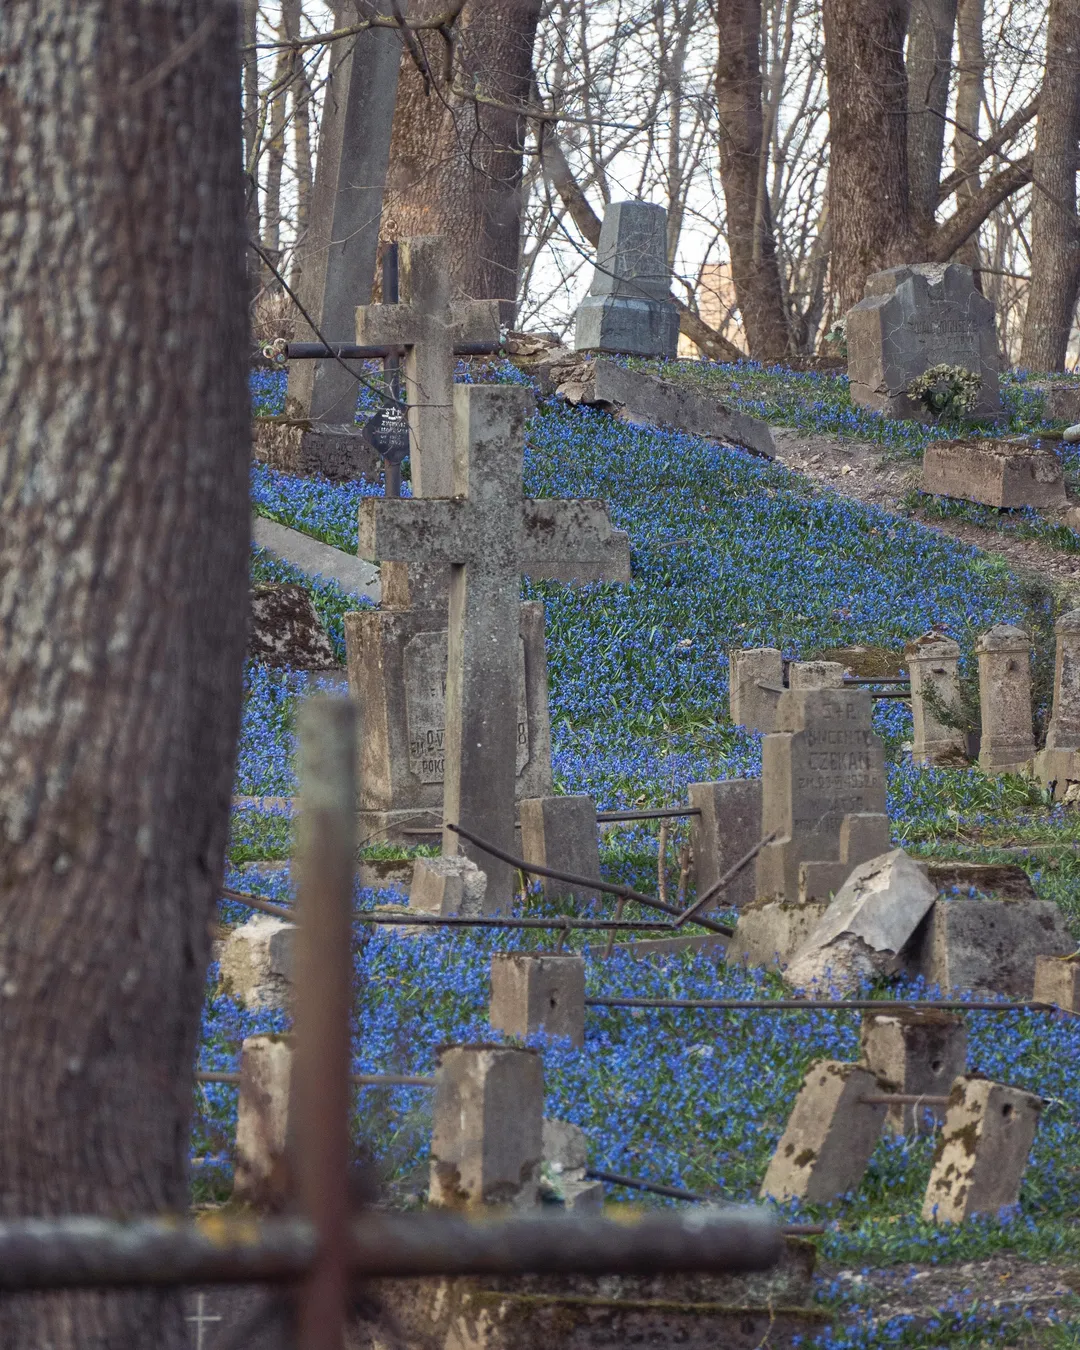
(428,327)
(489,534)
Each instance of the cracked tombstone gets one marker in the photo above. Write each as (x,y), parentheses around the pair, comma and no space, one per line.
(489,534)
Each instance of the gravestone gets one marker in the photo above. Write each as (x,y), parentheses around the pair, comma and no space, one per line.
(934,666)
(917,1052)
(342,241)
(1058,763)
(628,308)
(1008,743)
(489,534)
(755,682)
(912,318)
(726,828)
(560,833)
(1002,474)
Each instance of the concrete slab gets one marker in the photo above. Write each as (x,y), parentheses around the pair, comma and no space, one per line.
(317,559)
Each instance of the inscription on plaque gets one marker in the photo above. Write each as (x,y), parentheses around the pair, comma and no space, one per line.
(838,765)
(425,706)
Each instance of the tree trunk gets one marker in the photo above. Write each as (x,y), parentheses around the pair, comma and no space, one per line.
(970,72)
(123,595)
(751,241)
(249,18)
(869,206)
(275,151)
(456,160)
(929,55)
(301,113)
(1055,239)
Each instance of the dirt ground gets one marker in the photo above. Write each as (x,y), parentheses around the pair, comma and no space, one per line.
(863,471)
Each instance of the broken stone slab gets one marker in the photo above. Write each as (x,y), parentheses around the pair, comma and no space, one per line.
(1057,980)
(995,473)
(917,1052)
(448,886)
(1062,401)
(317,559)
(987,946)
(486,1146)
(533,992)
(1059,771)
(769,932)
(866,926)
(983,1151)
(647,400)
(830,1135)
(565,1163)
(286,629)
(256,962)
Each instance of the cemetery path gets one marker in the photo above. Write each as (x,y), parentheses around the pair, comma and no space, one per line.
(862,471)
(1004,1285)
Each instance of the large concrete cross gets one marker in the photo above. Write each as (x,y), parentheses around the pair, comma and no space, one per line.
(428,326)
(490,534)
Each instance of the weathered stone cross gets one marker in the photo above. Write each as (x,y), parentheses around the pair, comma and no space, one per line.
(490,534)
(428,326)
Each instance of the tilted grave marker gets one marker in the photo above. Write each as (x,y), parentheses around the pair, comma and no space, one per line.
(489,534)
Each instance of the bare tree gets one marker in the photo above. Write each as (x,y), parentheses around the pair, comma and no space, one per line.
(1055,237)
(123,595)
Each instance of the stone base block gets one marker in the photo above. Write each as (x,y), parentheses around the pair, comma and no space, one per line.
(983,1151)
(830,1135)
(755,683)
(532,993)
(1009,881)
(339,453)
(262,1122)
(256,962)
(916,1051)
(1062,400)
(1060,768)
(560,833)
(820,881)
(607,323)
(726,829)
(994,473)
(987,946)
(769,933)
(1058,981)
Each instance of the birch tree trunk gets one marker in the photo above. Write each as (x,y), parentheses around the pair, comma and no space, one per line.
(123,595)
(1055,239)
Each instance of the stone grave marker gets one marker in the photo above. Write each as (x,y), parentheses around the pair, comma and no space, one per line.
(917,1052)
(996,473)
(914,317)
(726,829)
(1059,761)
(560,833)
(628,308)
(934,666)
(489,535)
(755,682)
(1008,744)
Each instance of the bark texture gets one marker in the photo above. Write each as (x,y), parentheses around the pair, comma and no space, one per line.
(929,58)
(456,157)
(743,162)
(123,594)
(970,73)
(1055,238)
(869,205)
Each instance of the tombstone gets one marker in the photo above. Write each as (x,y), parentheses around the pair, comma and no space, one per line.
(912,318)
(343,235)
(261,1176)
(982,1155)
(727,827)
(1057,980)
(821,765)
(628,308)
(755,682)
(1059,762)
(489,534)
(256,962)
(830,1135)
(934,666)
(560,833)
(1002,474)
(1008,744)
(916,1052)
(487,1135)
(542,991)
(815,675)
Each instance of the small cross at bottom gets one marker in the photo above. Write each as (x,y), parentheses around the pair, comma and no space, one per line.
(201,1320)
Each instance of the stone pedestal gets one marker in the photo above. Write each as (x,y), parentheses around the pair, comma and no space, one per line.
(749,669)
(983,1152)
(912,318)
(916,1051)
(1063,732)
(994,473)
(726,830)
(1008,744)
(815,675)
(934,666)
(628,308)
(261,1177)
(560,833)
(1057,980)
(487,1144)
(532,993)
(256,963)
(397,675)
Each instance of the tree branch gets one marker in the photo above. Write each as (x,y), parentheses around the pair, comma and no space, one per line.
(985,149)
(952,233)
(436,23)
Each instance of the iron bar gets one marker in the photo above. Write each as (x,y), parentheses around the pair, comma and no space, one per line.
(717,886)
(350,351)
(357,1079)
(890,693)
(319,1088)
(81,1252)
(881,679)
(493,921)
(589,883)
(653,1187)
(812,1005)
(902,1099)
(260,903)
(661,813)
